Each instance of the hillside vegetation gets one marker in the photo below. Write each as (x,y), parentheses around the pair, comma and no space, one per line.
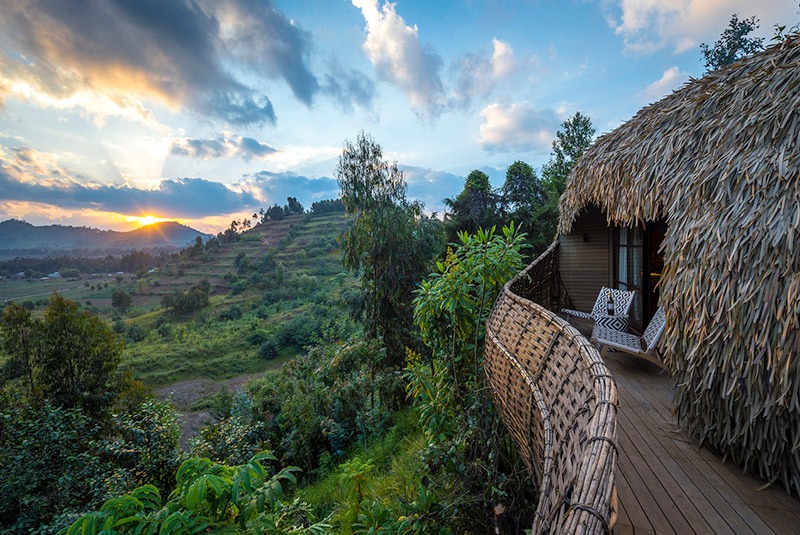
(374,389)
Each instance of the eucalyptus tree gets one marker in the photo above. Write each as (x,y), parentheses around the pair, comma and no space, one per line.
(389,241)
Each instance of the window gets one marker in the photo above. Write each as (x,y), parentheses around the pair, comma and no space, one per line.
(629,268)
(638,264)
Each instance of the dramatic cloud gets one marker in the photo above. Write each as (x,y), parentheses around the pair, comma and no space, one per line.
(647,25)
(669,81)
(277,187)
(349,87)
(476,75)
(517,127)
(224,145)
(180,53)
(30,176)
(399,57)
(261,36)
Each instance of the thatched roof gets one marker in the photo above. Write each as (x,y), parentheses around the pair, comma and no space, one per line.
(720,160)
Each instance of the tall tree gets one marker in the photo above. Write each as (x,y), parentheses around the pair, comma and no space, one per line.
(733,45)
(475,207)
(522,188)
(571,141)
(389,241)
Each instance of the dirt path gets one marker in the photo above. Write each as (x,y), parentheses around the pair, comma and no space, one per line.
(186,393)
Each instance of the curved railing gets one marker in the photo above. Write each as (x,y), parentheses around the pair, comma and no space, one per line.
(557,400)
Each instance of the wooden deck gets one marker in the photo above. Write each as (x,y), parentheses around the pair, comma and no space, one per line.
(667,484)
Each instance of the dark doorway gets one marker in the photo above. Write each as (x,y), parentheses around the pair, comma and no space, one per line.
(638,264)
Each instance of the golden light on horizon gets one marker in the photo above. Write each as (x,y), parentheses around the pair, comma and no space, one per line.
(149,219)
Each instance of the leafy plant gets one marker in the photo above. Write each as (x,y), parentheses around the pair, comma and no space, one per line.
(208,497)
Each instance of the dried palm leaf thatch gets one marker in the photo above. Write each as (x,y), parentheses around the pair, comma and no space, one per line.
(720,159)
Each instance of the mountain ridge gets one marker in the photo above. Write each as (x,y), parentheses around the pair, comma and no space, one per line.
(20,236)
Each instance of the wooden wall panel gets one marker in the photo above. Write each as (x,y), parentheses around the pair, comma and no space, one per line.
(585,261)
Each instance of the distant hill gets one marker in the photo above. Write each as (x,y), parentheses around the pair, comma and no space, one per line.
(18,238)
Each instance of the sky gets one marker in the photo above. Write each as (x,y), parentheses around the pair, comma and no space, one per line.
(116,112)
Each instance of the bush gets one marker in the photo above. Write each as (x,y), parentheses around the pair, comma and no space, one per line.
(238,287)
(136,333)
(235,437)
(257,337)
(147,446)
(268,350)
(49,469)
(233,313)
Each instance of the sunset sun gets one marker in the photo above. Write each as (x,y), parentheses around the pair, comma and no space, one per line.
(148,219)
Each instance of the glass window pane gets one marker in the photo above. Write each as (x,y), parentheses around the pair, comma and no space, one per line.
(637,236)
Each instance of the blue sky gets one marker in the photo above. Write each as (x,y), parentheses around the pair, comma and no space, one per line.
(206,110)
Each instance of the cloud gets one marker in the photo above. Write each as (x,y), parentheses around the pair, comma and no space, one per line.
(31,176)
(517,127)
(431,186)
(399,57)
(476,75)
(349,86)
(649,25)
(670,80)
(111,56)
(260,36)
(224,145)
(274,188)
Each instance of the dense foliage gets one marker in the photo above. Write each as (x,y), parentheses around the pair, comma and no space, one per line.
(733,45)
(337,407)
(68,357)
(208,497)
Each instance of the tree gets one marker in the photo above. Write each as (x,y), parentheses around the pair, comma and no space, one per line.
(733,44)
(571,141)
(70,356)
(389,240)
(21,342)
(522,190)
(120,300)
(293,206)
(475,207)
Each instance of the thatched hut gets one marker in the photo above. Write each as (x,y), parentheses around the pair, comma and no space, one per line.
(695,202)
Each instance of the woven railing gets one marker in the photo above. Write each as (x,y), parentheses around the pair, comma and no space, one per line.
(557,400)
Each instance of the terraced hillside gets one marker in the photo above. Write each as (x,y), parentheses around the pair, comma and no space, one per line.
(273,291)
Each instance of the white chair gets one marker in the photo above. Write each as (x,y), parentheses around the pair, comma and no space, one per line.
(644,347)
(622,304)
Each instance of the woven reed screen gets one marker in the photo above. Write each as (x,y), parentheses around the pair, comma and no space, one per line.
(557,400)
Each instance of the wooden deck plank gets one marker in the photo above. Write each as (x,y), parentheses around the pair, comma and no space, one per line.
(685,500)
(724,497)
(772,502)
(630,511)
(717,516)
(646,487)
(762,512)
(691,455)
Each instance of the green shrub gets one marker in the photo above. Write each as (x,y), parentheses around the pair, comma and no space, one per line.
(135,333)
(268,350)
(232,313)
